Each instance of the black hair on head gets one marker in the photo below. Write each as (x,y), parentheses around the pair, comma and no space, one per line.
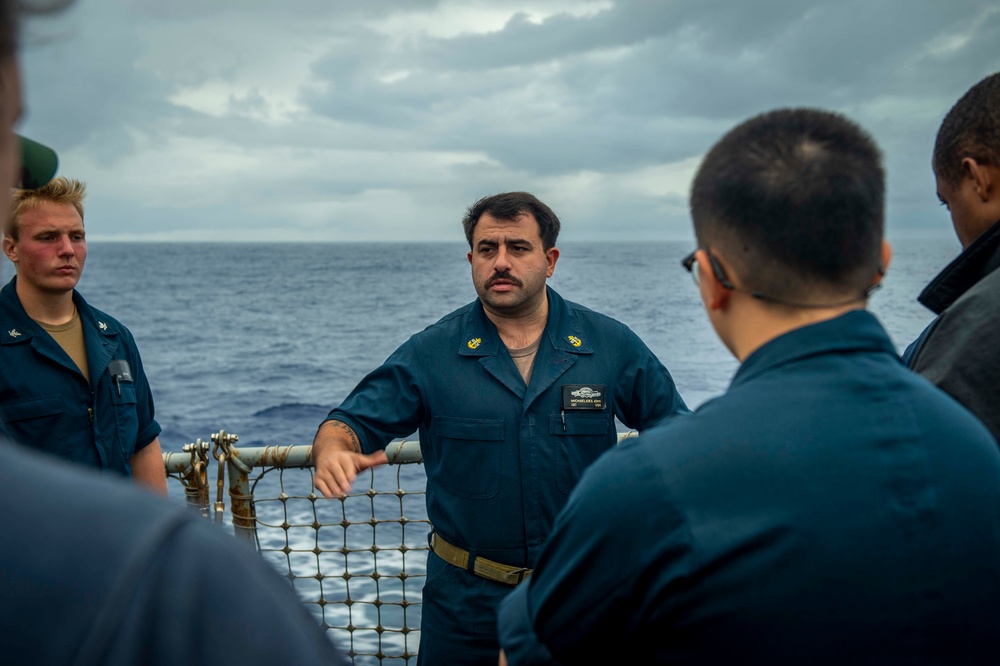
(971,129)
(510,206)
(795,197)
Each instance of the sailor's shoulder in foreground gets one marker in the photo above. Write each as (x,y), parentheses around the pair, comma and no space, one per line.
(101,572)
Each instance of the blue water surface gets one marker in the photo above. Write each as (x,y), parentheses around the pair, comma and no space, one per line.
(263,339)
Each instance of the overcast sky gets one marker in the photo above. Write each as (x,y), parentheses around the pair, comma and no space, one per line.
(319,120)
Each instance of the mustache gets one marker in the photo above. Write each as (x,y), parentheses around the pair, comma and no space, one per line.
(506,276)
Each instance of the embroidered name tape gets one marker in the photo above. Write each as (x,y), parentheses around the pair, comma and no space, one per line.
(584,396)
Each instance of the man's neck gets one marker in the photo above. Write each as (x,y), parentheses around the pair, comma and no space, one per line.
(50,308)
(758,324)
(520,329)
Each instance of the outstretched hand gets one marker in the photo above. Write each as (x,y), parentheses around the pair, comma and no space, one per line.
(336,469)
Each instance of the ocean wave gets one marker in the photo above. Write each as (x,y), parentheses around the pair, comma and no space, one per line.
(294,410)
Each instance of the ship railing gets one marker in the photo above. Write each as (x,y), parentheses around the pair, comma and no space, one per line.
(358,562)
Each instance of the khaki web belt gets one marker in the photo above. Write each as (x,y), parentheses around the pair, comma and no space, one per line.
(502,573)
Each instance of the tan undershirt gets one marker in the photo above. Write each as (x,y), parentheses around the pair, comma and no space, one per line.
(70,338)
(524,358)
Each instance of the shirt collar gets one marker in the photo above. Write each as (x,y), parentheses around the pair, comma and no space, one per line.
(857,330)
(16,326)
(563,329)
(981,258)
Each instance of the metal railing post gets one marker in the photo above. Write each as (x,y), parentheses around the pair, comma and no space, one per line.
(190,467)
(242,506)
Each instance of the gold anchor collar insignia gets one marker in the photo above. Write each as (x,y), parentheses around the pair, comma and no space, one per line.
(474,343)
(573,340)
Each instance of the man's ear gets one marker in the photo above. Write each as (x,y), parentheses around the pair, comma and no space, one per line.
(886,259)
(10,249)
(714,294)
(983,178)
(551,257)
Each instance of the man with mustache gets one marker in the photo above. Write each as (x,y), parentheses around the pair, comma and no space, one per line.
(513,395)
(73,383)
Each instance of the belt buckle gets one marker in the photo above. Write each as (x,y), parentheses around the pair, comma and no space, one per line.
(519,575)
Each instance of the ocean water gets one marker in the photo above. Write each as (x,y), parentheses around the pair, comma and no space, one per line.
(262,340)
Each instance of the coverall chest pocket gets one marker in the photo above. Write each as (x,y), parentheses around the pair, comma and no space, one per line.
(582,437)
(470,452)
(34,408)
(44,422)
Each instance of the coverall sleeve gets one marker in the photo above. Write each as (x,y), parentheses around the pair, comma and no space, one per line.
(599,575)
(646,395)
(387,403)
(148,429)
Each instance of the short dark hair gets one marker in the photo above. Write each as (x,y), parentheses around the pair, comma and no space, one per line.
(510,206)
(971,129)
(795,197)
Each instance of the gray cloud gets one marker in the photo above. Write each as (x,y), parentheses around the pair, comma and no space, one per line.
(342,120)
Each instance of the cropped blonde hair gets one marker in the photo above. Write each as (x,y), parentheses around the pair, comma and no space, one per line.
(59,190)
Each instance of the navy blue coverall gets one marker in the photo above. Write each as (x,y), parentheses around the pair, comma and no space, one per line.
(501,457)
(832,507)
(46,402)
